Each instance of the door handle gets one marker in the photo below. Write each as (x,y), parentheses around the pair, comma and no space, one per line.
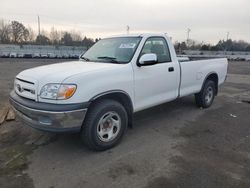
(171,69)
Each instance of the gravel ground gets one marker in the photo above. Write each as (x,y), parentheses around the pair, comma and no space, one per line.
(172,145)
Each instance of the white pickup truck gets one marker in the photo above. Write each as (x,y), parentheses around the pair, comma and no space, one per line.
(115,78)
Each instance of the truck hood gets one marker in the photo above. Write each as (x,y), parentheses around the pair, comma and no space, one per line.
(57,73)
(32,80)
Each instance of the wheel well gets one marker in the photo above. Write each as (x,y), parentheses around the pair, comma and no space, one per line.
(213,77)
(120,97)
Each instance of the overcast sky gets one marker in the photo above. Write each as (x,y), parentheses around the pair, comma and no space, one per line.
(209,20)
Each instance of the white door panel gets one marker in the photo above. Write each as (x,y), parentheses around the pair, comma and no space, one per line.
(155,85)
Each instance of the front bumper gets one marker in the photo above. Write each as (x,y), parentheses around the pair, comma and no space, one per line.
(49,117)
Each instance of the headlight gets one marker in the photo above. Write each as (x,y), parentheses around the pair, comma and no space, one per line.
(57,91)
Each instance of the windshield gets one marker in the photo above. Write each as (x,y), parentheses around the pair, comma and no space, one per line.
(113,50)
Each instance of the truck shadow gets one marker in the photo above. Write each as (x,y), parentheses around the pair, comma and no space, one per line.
(154,132)
(155,118)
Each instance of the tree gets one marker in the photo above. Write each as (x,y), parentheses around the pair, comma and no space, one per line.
(205,47)
(230,45)
(177,47)
(42,39)
(88,42)
(97,39)
(19,32)
(183,46)
(54,36)
(248,48)
(31,37)
(4,32)
(76,36)
(67,39)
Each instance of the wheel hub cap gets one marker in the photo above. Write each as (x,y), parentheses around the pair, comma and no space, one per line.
(109,126)
(209,95)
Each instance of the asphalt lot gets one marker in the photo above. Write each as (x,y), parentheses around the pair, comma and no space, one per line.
(172,145)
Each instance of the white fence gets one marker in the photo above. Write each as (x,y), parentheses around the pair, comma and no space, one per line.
(231,55)
(50,51)
(40,51)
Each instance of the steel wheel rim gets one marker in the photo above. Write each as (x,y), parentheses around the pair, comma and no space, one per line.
(109,126)
(209,95)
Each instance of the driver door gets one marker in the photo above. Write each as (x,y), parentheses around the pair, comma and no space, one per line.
(157,83)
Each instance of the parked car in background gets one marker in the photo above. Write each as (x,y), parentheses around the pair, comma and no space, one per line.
(51,55)
(5,55)
(36,55)
(74,56)
(27,55)
(20,55)
(65,56)
(183,58)
(13,55)
(59,56)
(44,55)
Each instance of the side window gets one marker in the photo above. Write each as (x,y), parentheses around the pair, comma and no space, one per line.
(158,46)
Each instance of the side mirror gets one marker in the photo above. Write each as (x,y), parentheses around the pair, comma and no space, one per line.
(147,59)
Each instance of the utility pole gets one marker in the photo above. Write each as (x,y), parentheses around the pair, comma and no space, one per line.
(226,46)
(188,35)
(228,35)
(128,28)
(39,32)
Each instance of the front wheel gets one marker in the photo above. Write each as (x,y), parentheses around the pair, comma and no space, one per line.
(206,96)
(105,124)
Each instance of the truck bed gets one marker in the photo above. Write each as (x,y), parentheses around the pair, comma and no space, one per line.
(193,73)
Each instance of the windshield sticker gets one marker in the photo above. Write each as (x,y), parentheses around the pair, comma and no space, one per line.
(128,45)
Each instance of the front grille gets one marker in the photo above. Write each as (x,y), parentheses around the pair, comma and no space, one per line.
(25,88)
(25,81)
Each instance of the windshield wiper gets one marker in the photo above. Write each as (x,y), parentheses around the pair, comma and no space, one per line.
(106,57)
(112,59)
(85,58)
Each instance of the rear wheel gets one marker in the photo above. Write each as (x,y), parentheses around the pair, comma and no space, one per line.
(206,96)
(105,124)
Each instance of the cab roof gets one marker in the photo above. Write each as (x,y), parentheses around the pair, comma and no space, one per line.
(140,35)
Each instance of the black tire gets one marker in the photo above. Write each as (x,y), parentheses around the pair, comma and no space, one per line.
(89,133)
(200,98)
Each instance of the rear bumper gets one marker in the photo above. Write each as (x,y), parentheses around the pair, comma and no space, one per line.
(49,117)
